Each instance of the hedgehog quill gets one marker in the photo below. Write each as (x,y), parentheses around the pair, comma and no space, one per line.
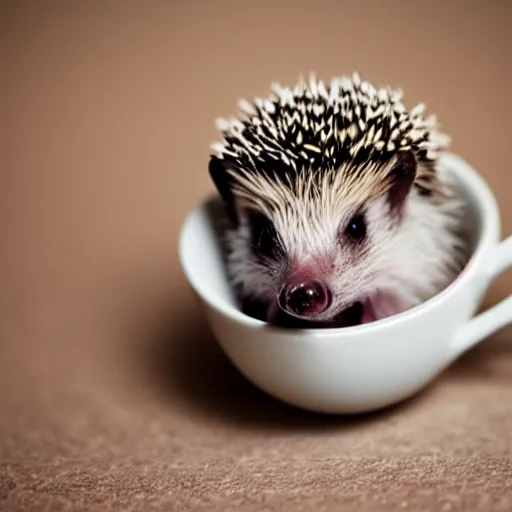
(339,213)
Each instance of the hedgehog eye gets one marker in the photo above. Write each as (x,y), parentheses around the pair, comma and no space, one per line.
(356,228)
(265,240)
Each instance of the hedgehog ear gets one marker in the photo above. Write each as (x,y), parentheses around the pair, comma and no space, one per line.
(224,185)
(402,172)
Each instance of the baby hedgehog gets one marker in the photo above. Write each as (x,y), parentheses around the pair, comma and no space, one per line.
(338,211)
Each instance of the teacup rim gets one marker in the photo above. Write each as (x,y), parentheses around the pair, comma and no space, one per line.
(489,232)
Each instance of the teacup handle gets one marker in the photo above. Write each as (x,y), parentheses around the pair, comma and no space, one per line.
(488,322)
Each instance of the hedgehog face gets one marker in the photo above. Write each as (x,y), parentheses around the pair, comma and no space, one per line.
(323,248)
(311,269)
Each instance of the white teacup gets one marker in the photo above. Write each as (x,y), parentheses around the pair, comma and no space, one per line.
(366,367)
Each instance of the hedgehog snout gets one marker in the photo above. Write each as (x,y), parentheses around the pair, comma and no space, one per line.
(305,299)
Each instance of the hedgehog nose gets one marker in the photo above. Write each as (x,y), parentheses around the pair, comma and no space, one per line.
(305,299)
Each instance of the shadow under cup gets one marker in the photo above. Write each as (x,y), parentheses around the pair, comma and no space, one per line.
(364,367)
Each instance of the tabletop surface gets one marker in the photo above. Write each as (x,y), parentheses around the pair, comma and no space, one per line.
(115,394)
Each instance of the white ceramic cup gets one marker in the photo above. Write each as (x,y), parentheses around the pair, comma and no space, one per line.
(365,367)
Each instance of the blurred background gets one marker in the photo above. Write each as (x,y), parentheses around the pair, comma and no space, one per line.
(107,114)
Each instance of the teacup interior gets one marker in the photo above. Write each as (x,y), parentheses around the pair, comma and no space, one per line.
(202,252)
(203,257)
(475,221)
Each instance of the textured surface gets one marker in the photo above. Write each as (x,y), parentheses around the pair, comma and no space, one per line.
(114,395)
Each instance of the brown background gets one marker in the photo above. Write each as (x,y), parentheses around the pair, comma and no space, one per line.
(113,391)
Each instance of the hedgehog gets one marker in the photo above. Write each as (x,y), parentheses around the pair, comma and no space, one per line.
(338,212)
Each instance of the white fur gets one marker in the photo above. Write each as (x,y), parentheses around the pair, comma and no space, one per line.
(405,264)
